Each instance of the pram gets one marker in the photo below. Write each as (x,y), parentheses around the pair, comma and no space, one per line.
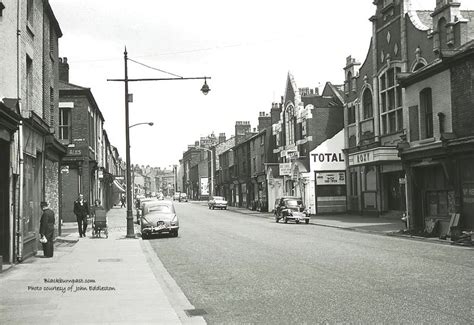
(100,223)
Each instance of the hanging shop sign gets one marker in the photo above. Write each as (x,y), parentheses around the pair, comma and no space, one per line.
(285,169)
(204,186)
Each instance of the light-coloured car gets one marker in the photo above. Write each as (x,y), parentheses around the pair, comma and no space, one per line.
(159,217)
(183,197)
(217,202)
(176,196)
(139,205)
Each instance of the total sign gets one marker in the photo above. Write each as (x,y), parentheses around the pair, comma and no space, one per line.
(328,155)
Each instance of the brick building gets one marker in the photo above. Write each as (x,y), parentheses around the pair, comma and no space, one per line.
(81,129)
(308,118)
(380,115)
(29,68)
(438,151)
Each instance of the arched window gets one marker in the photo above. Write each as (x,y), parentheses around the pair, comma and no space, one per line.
(367,104)
(426,110)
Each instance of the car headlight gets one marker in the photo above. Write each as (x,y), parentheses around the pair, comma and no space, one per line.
(174,220)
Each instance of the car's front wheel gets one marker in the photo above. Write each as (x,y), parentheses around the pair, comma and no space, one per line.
(277,219)
(174,233)
(306,221)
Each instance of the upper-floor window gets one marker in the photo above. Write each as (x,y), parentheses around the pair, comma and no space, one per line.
(442,33)
(65,124)
(290,125)
(351,115)
(367,104)
(426,107)
(29,83)
(391,113)
(29,11)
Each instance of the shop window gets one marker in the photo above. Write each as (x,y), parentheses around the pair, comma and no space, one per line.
(437,202)
(354,184)
(331,190)
(370,178)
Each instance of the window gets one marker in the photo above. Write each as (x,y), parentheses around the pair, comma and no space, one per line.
(29,11)
(442,33)
(426,106)
(51,107)
(367,102)
(351,116)
(262,140)
(290,125)
(391,113)
(65,124)
(29,83)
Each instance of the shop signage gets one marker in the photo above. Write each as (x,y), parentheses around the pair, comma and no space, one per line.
(119,177)
(331,178)
(328,156)
(285,169)
(204,186)
(74,152)
(374,155)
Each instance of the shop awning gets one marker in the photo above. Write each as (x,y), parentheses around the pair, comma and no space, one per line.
(118,187)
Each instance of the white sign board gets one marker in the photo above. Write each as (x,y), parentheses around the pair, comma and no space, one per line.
(204,186)
(328,178)
(285,169)
(328,155)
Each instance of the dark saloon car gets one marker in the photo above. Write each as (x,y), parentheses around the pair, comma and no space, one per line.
(159,217)
(290,208)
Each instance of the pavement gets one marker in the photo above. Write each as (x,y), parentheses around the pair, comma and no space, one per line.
(94,281)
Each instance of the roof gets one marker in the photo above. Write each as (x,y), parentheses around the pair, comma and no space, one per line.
(69,88)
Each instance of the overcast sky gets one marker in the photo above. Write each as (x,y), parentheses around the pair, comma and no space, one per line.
(246,47)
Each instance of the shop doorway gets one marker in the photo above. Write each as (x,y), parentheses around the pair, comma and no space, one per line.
(4,201)
(394,191)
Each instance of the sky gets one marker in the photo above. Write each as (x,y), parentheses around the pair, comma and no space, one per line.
(246,47)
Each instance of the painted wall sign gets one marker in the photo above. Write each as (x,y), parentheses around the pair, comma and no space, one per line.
(328,155)
(74,152)
(331,178)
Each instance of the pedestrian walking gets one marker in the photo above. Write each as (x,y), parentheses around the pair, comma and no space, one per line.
(47,229)
(122,200)
(81,210)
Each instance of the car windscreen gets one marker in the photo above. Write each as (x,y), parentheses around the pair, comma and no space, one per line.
(220,198)
(160,208)
(293,203)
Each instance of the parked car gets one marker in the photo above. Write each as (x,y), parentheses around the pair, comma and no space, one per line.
(159,217)
(139,206)
(217,202)
(183,197)
(176,196)
(291,208)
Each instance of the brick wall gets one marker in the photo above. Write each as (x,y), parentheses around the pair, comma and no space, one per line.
(51,194)
(462,81)
(324,124)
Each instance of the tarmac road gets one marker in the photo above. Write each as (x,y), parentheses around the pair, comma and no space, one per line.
(239,268)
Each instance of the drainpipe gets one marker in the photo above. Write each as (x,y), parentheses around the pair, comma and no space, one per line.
(19,228)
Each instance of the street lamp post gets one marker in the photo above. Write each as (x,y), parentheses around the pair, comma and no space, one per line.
(204,89)
(211,191)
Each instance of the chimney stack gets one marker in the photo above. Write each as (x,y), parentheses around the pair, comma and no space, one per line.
(264,121)
(63,70)
(222,137)
(275,113)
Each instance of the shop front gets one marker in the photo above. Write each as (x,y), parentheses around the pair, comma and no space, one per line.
(376,182)
(328,170)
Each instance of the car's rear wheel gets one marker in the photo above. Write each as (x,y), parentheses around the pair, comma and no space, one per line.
(286,220)
(213,207)
(297,221)
(306,221)
(277,219)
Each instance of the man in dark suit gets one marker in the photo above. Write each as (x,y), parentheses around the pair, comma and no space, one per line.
(81,210)
(47,229)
